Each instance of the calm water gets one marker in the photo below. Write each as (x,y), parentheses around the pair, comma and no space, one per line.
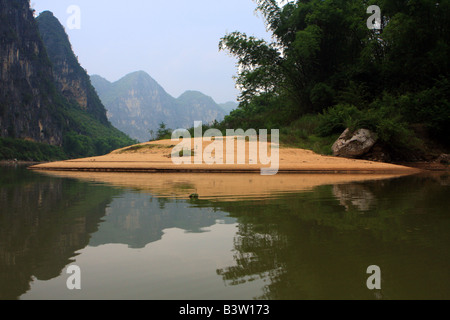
(132,244)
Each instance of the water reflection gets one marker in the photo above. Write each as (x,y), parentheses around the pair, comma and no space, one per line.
(137,219)
(311,241)
(316,249)
(43,222)
(354,196)
(219,186)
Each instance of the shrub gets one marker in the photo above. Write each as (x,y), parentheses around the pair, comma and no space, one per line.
(336,119)
(384,119)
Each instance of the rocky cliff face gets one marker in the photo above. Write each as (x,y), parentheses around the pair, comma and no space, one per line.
(198,106)
(27,108)
(45,95)
(137,104)
(70,77)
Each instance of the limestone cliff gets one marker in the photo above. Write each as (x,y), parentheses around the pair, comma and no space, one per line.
(137,103)
(27,92)
(45,95)
(71,78)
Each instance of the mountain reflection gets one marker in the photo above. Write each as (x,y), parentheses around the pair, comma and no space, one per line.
(43,223)
(45,220)
(312,244)
(137,219)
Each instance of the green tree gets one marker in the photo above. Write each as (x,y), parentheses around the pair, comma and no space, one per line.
(322,56)
(163,132)
(315,44)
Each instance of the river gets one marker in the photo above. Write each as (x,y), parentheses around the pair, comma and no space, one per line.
(305,237)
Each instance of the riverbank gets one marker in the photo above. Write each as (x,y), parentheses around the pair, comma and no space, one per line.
(427,166)
(156,157)
(12,163)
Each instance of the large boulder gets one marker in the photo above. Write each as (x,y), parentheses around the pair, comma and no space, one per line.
(354,144)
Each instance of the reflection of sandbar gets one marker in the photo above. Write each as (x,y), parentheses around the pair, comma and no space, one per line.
(224,186)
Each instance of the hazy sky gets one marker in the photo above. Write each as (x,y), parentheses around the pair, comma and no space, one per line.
(176,41)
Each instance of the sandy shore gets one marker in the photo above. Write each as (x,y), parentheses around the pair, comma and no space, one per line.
(149,168)
(155,157)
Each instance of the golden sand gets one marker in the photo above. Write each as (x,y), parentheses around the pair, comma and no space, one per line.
(149,168)
(156,157)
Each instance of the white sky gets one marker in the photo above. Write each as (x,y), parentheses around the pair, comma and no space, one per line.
(176,42)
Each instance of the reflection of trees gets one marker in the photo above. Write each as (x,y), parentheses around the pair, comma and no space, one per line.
(43,223)
(307,246)
(255,256)
(162,202)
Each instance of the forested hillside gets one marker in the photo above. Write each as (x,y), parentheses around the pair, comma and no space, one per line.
(326,71)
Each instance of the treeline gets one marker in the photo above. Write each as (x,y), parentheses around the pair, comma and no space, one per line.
(23,150)
(326,71)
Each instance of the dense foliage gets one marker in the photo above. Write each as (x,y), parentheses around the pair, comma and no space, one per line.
(85,136)
(23,150)
(326,64)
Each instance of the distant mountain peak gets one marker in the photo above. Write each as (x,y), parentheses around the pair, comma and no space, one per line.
(137,103)
(139,75)
(194,93)
(139,79)
(99,77)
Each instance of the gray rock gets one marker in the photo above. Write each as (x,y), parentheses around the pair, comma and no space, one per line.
(354,144)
